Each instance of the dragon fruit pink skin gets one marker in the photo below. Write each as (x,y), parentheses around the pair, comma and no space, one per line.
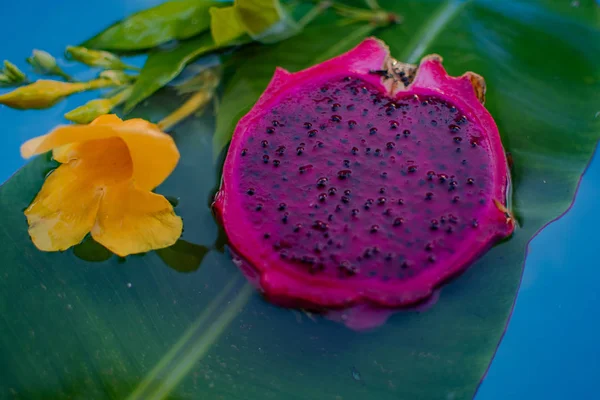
(364,182)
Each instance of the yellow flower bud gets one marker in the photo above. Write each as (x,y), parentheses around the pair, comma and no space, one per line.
(46,93)
(89,111)
(44,64)
(13,72)
(97,58)
(92,109)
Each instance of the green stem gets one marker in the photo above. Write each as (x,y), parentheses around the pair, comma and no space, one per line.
(373,5)
(314,13)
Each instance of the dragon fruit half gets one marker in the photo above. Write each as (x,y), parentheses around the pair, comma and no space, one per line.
(363,182)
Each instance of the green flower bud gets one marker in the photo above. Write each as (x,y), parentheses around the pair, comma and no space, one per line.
(13,72)
(44,64)
(118,77)
(96,58)
(4,80)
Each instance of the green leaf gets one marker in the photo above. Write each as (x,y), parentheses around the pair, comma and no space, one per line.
(164,65)
(75,329)
(263,20)
(149,28)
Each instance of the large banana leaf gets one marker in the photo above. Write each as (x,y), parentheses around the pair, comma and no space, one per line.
(153,326)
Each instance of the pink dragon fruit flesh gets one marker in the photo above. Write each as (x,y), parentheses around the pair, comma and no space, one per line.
(364,183)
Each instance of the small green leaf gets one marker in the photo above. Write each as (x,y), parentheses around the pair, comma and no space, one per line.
(164,65)
(183,256)
(149,28)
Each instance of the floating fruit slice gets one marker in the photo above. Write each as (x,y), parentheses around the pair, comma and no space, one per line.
(363,181)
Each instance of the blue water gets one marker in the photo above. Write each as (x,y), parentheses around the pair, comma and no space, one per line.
(551,349)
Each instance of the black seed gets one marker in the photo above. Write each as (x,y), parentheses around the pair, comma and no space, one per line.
(435,224)
(398,221)
(280,150)
(452,185)
(343,174)
(462,120)
(270,130)
(320,225)
(302,169)
(244,152)
(443,177)
(265,158)
(454,128)
(400,202)
(324,89)
(259,207)
(453,109)
(433,122)
(345,199)
(389,257)
(332,191)
(347,192)
(284,219)
(283,254)
(312,133)
(322,197)
(470,181)
(321,182)
(330,217)
(449,229)
(282,206)
(429,247)
(320,144)
(464,162)
(430,175)
(276,163)
(355,150)
(299,150)
(428,196)
(335,106)
(377,152)
(297,227)
(338,208)
(351,123)
(381,201)
(372,131)
(266,236)
(455,199)
(336,118)
(457,139)
(452,218)
(406,133)
(348,268)
(346,163)
(404,265)
(374,228)
(412,168)
(347,79)
(264,143)
(393,124)
(307,125)
(384,174)
(474,223)
(354,212)
(390,145)
(431,258)
(251,191)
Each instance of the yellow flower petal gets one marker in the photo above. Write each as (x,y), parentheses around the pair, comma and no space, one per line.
(64,211)
(66,207)
(152,151)
(132,220)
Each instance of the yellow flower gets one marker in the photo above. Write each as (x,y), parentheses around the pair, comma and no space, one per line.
(103,186)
